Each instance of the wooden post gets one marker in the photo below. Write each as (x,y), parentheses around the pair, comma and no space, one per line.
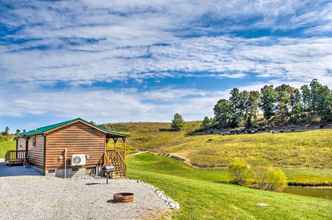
(125,147)
(27,150)
(65,156)
(115,139)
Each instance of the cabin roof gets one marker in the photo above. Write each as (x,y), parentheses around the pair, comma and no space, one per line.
(49,128)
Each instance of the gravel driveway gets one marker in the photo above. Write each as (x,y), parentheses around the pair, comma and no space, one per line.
(40,197)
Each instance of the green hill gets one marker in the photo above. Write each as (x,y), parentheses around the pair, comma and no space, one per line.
(147,135)
(6,143)
(202,196)
(306,157)
(309,149)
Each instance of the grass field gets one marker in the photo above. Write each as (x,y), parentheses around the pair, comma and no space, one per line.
(6,144)
(310,149)
(146,135)
(202,196)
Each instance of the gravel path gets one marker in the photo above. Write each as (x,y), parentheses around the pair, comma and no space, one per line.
(40,197)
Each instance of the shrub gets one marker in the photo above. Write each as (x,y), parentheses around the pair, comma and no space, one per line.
(240,170)
(270,178)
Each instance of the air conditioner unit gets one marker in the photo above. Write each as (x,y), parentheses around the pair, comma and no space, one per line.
(78,160)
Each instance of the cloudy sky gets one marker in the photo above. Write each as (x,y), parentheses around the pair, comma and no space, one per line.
(140,60)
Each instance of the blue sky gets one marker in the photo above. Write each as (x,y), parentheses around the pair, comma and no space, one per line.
(111,61)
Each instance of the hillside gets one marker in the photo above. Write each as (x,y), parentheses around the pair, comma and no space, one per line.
(309,149)
(146,135)
(201,196)
(6,143)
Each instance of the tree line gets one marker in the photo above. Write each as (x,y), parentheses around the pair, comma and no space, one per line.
(273,106)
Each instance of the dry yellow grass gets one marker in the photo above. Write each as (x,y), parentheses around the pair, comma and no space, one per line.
(310,149)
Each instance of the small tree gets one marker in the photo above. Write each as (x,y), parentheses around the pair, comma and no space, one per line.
(223,113)
(240,171)
(6,132)
(270,178)
(206,123)
(177,122)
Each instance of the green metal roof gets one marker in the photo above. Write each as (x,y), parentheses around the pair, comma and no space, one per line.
(45,129)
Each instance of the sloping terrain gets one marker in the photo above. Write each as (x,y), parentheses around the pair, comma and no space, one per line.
(6,143)
(309,149)
(202,196)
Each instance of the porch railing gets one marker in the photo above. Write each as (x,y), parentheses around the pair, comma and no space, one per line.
(15,156)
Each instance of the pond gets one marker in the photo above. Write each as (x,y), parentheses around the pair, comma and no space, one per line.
(322,192)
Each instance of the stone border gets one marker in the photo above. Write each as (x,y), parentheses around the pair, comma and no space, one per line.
(166,199)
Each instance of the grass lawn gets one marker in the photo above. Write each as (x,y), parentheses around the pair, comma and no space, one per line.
(5,145)
(201,196)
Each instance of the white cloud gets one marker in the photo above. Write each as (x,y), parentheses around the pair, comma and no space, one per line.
(110,105)
(80,42)
(126,29)
(228,57)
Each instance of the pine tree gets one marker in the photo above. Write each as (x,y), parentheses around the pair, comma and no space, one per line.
(177,122)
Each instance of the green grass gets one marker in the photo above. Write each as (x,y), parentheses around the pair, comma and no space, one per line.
(201,196)
(311,149)
(308,175)
(5,145)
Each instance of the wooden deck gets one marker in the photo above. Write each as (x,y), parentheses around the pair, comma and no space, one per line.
(14,157)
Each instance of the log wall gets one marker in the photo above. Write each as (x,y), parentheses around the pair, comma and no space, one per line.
(36,152)
(78,138)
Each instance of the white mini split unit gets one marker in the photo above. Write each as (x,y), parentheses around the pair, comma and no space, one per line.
(78,160)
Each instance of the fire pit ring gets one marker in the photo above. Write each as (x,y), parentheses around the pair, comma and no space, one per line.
(123,197)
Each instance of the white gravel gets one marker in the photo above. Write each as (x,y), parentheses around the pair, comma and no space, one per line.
(40,197)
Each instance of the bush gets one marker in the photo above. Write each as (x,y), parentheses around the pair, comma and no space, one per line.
(270,178)
(240,171)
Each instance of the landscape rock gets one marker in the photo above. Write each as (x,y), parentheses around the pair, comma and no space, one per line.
(261,204)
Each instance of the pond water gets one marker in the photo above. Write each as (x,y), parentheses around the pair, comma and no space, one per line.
(321,192)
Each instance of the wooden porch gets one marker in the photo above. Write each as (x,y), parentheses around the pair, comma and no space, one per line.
(115,157)
(115,154)
(16,157)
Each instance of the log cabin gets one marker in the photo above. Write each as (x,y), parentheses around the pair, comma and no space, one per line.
(52,149)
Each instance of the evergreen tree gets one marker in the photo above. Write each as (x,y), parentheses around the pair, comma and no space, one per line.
(268,101)
(238,101)
(297,114)
(280,106)
(306,98)
(223,113)
(177,122)
(283,103)
(207,122)
(252,109)
(6,132)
